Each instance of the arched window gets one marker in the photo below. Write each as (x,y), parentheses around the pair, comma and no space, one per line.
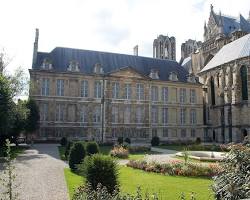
(244,89)
(212,91)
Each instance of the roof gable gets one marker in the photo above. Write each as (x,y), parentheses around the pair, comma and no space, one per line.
(128,72)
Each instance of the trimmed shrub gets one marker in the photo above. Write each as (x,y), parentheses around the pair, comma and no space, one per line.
(155,141)
(119,152)
(233,181)
(127,140)
(198,140)
(67,149)
(120,140)
(100,169)
(77,154)
(92,148)
(63,141)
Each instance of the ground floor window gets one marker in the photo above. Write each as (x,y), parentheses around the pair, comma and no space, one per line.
(154,132)
(192,133)
(165,132)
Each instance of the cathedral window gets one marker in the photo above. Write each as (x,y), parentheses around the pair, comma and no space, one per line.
(83,114)
(183,116)
(192,116)
(182,95)
(127,114)
(244,83)
(128,91)
(44,112)
(114,114)
(164,94)
(192,96)
(139,114)
(97,115)
(59,112)
(165,132)
(183,133)
(212,91)
(165,115)
(154,114)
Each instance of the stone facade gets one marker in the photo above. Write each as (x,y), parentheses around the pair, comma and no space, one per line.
(226,110)
(147,111)
(164,47)
(189,47)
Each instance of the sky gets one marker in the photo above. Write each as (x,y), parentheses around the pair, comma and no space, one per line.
(103,25)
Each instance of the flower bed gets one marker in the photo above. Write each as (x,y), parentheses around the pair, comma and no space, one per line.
(177,168)
(119,152)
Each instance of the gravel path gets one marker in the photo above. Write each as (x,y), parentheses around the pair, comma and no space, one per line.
(165,156)
(40,174)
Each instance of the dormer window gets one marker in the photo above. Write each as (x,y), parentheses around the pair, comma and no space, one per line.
(191,78)
(47,64)
(73,66)
(154,74)
(98,69)
(173,76)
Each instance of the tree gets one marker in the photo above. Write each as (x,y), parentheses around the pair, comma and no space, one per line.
(32,122)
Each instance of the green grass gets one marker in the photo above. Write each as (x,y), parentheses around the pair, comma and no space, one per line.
(167,187)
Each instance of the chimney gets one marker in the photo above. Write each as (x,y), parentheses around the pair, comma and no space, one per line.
(136,50)
(35,48)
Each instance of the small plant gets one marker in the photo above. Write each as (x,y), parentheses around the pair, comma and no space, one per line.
(185,155)
(119,152)
(100,169)
(92,148)
(155,141)
(127,140)
(120,140)
(63,141)
(67,149)
(77,154)
(8,176)
(198,140)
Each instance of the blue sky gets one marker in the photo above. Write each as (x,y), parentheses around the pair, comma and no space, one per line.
(110,25)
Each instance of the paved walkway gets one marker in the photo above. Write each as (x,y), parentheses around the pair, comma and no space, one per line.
(40,174)
(165,156)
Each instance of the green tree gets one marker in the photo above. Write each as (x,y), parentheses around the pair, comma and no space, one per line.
(32,122)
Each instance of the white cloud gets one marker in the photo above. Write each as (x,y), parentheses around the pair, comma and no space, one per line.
(110,25)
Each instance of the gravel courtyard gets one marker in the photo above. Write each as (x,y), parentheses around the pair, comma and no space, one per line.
(40,174)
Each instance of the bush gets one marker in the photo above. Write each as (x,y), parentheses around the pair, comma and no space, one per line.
(127,140)
(233,181)
(155,141)
(77,154)
(92,148)
(139,149)
(120,140)
(86,192)
(100,169)
(198,140)
(67,149)
(63,141)
(119,152)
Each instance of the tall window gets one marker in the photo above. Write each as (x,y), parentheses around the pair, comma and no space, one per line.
(192,116)
(139,114)
(139,91)
(192,96)
(182,95)
(154,114)
(59,112)
(165,132)
(84,88)
(183,133)
(98,89)
(128,91)
(60,87)
(114,114)
(115,90)
(183,116)
(193,133)
(164,115)
(84,114)
(212,91)
(154,93)
(44,112)
(164,94)
(243,74)
(97,114)
(45,87)
(127,113)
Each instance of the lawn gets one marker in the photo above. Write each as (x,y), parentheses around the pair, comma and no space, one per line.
(181,147)
(167,187)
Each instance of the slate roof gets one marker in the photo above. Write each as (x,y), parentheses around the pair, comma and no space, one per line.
(239,48)
(60,58)
(232,24)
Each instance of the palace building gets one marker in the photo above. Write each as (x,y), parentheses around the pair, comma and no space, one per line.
(102,96)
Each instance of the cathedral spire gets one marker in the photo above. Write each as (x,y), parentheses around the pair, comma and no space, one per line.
(35,49)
